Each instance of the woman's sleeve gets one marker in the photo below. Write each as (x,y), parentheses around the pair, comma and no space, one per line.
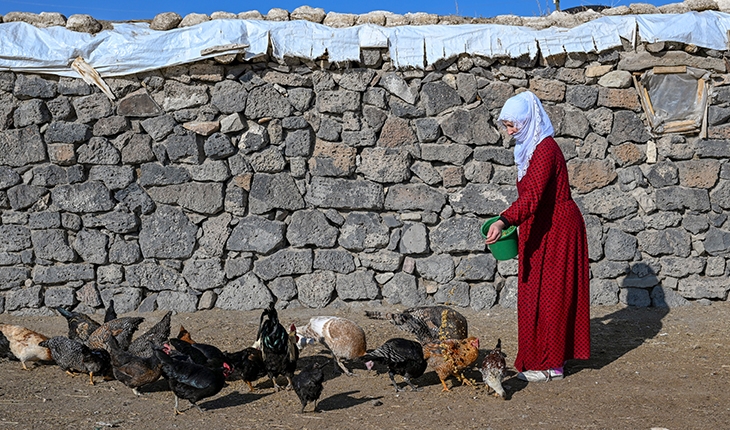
(536,180)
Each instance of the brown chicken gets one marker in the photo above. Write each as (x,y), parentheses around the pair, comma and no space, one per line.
(451,357)
(344,338)
(80,325)
(494,369)
(24,344)
(184,335)
(131,370)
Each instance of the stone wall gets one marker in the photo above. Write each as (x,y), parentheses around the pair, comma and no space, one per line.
(223,185)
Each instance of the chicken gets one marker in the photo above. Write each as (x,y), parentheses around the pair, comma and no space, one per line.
(278,349)
(72,356)
(308,385)
(191,381)
(442,322)
(248,365)
(452,357)
(80,326)
(494,369)
(111,313)
(121,328)
(130,370)
(24,344)
(5,348)
(344,338)
(184,335)
(402,356)
(200,353)
(152,338)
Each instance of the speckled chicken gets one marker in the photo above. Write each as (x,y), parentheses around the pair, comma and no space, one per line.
(494,369)
(343,337)
(153,338)
(121,328)
(442,322)
(72,356)
(80,325)
(24,344)
(451,357)
(402,356)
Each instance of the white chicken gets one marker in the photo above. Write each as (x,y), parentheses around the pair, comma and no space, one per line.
(343,337)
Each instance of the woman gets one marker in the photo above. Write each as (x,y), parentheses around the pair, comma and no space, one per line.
(553,293)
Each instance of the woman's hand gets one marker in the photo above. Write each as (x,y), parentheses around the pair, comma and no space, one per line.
(495,232)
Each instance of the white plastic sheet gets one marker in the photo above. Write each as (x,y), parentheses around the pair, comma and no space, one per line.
(134,48)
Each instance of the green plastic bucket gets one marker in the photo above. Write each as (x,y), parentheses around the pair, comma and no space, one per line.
(505,247)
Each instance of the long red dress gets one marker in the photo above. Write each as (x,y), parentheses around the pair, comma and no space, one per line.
(553,291)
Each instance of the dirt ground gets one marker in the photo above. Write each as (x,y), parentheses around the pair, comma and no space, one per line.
(651,368)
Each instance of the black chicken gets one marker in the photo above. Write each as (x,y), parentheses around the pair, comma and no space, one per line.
(152,338)
(72,356)
(308,385)
(200,353)
(5,348)
(80,326)
(111,313)
(278,349)
(191,381)
(442,322)
(402,356)
(248,365)
(130,370)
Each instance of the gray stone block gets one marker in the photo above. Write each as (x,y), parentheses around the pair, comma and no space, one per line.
(85,197)
(110,274)
(98,151)
(310,227)
(663,297)
(336,260)
(126,299)
(185,148)
(266,101)
(137,149)
(269,160)
(153,174)
(315,290)
(92,246)
(403,289)
(52,244)
(338,101)
(31,112)
(284,263)
(717,241)
(111,126)
(638,297)
(24,196)
(457,234)
(413,239)
(256,234)
(8,177)
(671,241)
(382,261)
(358,285)
(204,274)
(158,128)
(437,267)
(277,191)
(136,199)
(114,177)
(246,293)
(476,267)
(299,143)
(385,165)
(59,296)
(450,154)
(678,198)
(229,96)
(63,273)
(627,127)
(43,220)
(167,233)
(609,202)
(11,277)
(154,277)
(363,230)
(177,301)
(32,86)
(581,96)
(21,147)
(50,175)
(92,107)
(414,197)
(437,97)
(284,288)
(701,287)
(218,146)
(483,199)
(604,292)
(29,297)
(482,296)
(619,246)
(455,293)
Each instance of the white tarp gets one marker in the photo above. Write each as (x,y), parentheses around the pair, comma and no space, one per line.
(133,48)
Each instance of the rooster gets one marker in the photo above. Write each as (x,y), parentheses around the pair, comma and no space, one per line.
(402,356)
(308,385)
(24,344)
(80,326)
(451,357)
(278,349)
(441,322)
(494,369)
(344,338)
(72,356)
(152,338)
(192,381)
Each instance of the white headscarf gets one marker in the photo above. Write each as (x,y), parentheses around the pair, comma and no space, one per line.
(533,125)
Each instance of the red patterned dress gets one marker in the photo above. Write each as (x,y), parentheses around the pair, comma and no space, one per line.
(553,295)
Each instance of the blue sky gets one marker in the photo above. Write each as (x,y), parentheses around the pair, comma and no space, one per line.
(147,9)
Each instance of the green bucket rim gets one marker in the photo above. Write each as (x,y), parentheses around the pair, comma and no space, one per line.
(505,248)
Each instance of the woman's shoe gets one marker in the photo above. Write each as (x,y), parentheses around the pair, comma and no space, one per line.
(540,375)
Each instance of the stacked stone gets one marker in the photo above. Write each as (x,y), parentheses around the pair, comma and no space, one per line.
(225,186)
(170,20)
